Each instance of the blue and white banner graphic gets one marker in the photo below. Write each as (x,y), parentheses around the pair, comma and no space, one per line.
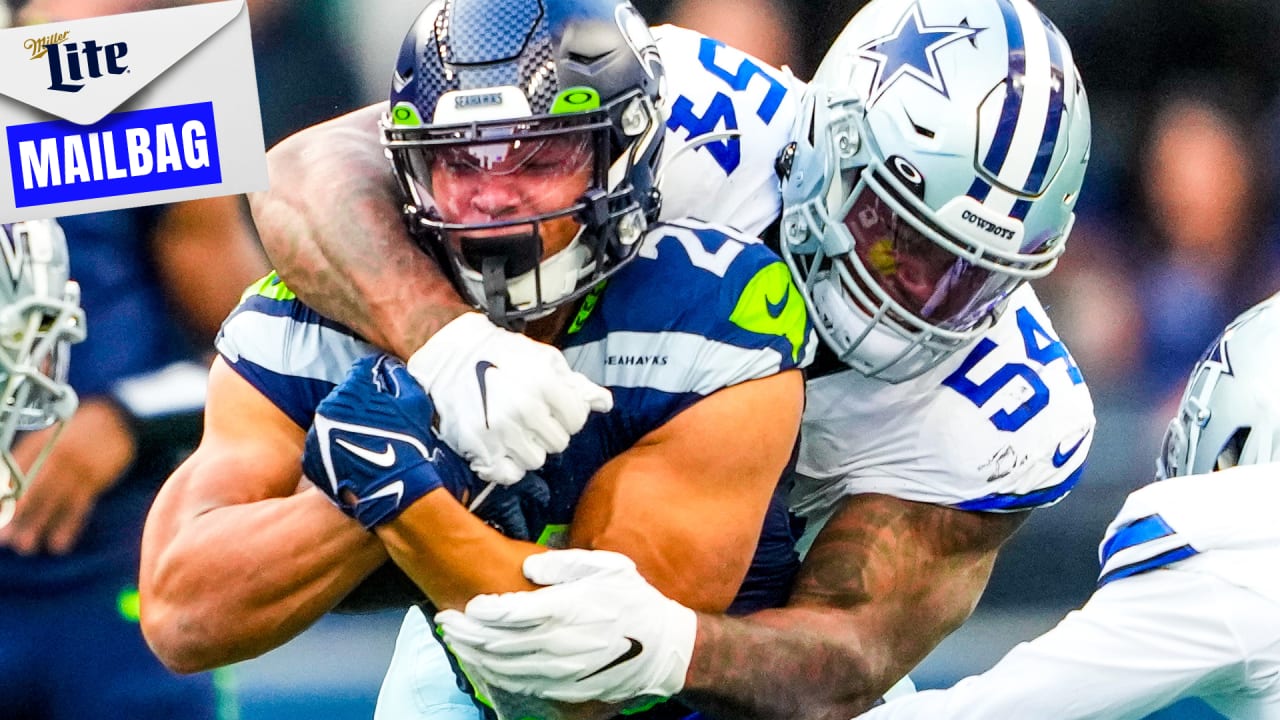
(127,110)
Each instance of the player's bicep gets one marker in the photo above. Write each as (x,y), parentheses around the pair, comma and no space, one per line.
(250,451)
(688,501)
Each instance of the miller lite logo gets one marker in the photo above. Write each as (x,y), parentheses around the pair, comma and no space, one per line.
(118,111)
(71,63)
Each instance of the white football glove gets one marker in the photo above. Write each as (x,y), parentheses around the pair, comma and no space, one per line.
(598,632)
(505,401)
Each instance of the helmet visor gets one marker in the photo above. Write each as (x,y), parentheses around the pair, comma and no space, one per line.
(909,262)
(500,173)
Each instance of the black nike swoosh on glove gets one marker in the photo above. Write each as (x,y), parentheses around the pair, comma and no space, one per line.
(481,368)
(631,652)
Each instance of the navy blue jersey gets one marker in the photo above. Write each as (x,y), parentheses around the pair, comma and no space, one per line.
(700,309)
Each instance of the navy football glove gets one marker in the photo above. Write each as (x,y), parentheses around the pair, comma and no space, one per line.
(371,448)
(518,511)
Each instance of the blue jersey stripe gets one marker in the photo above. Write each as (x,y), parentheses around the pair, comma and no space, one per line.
(1008,122)
(296,396)
(1135,532)
(1053,119)
(1014,501)
(291,308)
(1165,558)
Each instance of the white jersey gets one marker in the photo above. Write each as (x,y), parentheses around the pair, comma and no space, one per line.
(1221,524)
(1189,607)
(1002,425)
(713,88)
(1013,437)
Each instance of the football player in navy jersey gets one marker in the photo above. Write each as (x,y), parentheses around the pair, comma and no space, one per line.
(928,172)
(524,139)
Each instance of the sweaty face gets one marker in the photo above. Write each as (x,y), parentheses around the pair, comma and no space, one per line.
(505,182)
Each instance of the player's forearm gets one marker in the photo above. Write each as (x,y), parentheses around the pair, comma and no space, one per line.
(352,261)
(451,554)
(241,580)
(817,667)
(884,582)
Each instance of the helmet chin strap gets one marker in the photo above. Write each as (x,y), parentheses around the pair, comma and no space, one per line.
(494,275)
(497,257)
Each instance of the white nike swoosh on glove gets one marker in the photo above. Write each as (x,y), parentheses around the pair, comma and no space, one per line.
(395,489)
(385,459)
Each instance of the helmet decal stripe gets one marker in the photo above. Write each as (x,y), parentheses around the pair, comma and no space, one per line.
(999,150)
(978,191)
(1035,87)
(1053,122)
(1020,209)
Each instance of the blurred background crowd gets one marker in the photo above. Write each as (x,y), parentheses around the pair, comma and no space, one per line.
(1177,232)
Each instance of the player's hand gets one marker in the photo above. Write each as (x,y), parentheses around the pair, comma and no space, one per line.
(598,632)
(94,450)
(371,448)
(505,401)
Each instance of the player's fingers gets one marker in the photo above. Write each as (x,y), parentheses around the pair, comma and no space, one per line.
(510,610)
(548,433)
(460,631)
(35,514)
(598,398)
(562,566)
(61,536)
(523,673)
(570,693)
(475,631)
(470,446)
(566,401)
(520,446)
(501,470)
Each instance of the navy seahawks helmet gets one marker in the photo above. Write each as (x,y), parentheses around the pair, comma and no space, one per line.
(40,317)
(936,166)
(1230,411)
(506,88)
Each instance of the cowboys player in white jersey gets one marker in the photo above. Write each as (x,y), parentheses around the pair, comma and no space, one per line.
(40,317)
(938,156)
(1188,603)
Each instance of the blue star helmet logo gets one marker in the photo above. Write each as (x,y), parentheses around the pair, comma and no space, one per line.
(911,49)
(1216,355)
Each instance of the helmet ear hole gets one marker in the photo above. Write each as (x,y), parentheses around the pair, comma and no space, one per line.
(1231,453)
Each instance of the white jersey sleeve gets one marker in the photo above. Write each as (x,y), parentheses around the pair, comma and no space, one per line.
(1135,647)
(1003,425)
(714,89)
(1221,524)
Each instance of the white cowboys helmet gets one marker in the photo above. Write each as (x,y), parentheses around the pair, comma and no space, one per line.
(40,317)
(935,167)
(1230,411)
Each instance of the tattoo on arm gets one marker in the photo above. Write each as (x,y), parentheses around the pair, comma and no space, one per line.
(884,582)
(331,225)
